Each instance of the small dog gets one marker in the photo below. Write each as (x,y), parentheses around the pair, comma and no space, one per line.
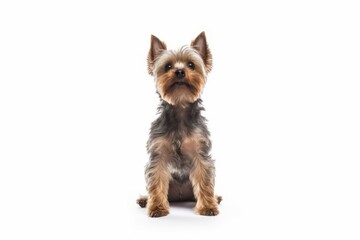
(180,166)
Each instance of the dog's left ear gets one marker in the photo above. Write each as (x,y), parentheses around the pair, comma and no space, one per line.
(200,45)
(156,48)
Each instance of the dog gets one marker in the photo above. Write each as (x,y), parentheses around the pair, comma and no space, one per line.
(180,166)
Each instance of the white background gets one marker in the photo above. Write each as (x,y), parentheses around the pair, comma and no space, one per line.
(76,104)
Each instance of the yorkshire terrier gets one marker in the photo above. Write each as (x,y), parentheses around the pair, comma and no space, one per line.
(180,166)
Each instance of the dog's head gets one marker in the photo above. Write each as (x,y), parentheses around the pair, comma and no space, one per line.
(180,75)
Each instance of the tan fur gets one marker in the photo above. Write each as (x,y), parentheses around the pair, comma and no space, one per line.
(158,187)
(156,48)
(203,184)
(182,94)
(160,145)
(191,145)
(201,176)
(200,44)
(158,179)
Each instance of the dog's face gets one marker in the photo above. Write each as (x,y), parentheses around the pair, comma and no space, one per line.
(180,75)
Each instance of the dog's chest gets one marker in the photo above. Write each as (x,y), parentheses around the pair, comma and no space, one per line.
(179,161)
(180,136)
(185,151)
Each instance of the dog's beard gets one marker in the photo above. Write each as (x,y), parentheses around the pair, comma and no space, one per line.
(180,92)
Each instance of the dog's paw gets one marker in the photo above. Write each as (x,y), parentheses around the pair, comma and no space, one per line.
(208,211)
(158,212)
(142,201)
(219,199)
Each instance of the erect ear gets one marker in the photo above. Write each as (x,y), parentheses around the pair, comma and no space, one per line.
(200,45)
(156,48)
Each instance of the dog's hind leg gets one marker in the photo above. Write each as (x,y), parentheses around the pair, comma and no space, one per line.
(142,201)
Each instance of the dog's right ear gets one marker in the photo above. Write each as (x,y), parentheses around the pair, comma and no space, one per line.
(156,48)
(200,45)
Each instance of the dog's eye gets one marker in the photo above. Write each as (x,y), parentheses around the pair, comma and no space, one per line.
(191,65)
(168,67)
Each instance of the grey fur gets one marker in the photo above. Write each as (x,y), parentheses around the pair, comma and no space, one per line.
(175,123)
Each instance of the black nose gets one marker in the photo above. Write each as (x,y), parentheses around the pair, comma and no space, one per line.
(180,73)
